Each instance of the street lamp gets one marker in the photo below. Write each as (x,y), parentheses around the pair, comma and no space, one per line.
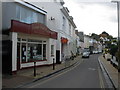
(118,15)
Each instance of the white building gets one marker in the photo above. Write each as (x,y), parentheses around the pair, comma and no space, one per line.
(35,34)
(58,20)
(80,41)
(87,41)
(28,40)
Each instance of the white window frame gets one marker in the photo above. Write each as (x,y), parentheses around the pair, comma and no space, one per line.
(26,42)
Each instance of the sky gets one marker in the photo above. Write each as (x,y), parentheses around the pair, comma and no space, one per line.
(91,16)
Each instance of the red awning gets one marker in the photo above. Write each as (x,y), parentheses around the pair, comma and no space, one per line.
(64,40)
(34,28)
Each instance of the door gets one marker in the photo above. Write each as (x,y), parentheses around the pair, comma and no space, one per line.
(58,56)
(18,56)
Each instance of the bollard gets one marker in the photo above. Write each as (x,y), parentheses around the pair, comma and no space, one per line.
(53,64)
(34,68)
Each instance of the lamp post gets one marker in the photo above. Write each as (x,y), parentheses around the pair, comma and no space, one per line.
(118,15)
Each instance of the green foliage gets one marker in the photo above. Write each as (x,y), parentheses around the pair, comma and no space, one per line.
(113,49)
(108,43)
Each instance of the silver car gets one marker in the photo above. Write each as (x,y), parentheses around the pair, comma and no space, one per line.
(85,54)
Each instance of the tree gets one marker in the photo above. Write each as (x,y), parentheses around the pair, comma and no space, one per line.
(105,33)
(113,49)
(108,44)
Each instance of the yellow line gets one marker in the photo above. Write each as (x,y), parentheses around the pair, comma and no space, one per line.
(54,76)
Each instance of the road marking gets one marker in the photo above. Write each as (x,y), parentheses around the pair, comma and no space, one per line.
(101,79)
(93,69)
(33,86)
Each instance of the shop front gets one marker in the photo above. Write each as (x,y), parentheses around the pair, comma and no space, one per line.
(64,48)
(31,43)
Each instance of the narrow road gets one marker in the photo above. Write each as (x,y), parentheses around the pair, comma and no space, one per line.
(85,75)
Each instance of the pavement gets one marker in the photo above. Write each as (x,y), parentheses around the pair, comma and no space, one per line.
(111,71)
(27,75)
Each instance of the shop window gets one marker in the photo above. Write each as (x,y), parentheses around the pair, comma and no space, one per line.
(18,39)
(52,50)
(34,52)
(23,52)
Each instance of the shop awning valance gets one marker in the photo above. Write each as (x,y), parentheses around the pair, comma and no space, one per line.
(34,28)
(64,40)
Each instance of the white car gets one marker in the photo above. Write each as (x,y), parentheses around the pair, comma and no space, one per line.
(85,54)
(95,52)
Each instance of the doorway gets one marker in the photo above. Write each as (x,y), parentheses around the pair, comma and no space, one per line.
(58,57)
(18,56)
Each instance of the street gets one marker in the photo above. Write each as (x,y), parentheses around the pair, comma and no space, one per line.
(86,74)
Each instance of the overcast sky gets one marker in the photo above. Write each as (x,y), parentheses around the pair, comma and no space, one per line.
(91,16)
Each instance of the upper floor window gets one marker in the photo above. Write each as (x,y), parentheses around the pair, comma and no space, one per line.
(70,29)
(29,16)
(64,23)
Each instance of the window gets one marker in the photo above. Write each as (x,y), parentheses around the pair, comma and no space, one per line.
(32,50)
(27,15)
(34,17)
(18,12)
(41,18)
(64,23)
(44,51)
(52,50)
(69,29)
(23,52)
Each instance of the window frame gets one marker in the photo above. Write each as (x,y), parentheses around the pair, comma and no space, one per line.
(27,42)
(52,50)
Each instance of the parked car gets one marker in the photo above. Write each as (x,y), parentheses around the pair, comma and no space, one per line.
(85,54)
(95,52)
(100,51)
(108,57)
(114,62)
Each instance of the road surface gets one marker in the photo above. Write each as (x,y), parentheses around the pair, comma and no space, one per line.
(86,74)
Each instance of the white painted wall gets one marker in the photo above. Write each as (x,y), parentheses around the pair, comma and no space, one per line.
(14,51)
(24,65)
(52,42)
(53,10)
(86,42)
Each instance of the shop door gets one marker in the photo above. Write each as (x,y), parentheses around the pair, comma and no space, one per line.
(58,56)
(18,56)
